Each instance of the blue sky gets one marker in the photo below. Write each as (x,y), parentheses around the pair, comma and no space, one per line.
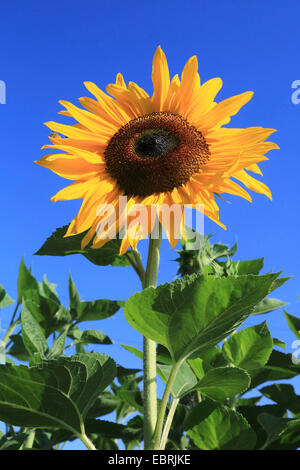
(48,50)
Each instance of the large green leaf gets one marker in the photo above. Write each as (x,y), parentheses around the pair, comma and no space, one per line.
(58,245)
(54,394)
(223,429)
(249,348)
(196,312)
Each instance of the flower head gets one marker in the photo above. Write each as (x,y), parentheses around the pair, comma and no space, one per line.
(157,151)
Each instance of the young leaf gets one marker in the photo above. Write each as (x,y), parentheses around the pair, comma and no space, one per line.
(249,348)
(5,300)
(294,323)
(73,296)
(26,283)
(58,346)
(32,335)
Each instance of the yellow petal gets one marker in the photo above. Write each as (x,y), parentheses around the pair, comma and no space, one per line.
(160,79)
(74,152)
(230,187)
(76,190)
(108,105)
(89,120)
(126,100)
(190,85)
(254,168)
(204,99)
(120,80)
(74,132)
(70,168)
(223,110)
(252,183)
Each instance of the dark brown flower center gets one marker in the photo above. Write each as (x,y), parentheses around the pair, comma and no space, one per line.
(155,153)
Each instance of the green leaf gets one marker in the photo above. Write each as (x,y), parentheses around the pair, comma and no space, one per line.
(133,398)
(294,323)
(223,429)
(224,382)
(58,245)
(54,394)
(184,382)
(90,337)
(29,397)
(284,395)
(249,348)
(73,296)
(17,348)
(161,356)
(279,343)
(242,267)
(96,309)
(26,283)
(268,305)
(48,290)
(196,312)
(276,427)
(111,430)
(5,300)
(58,346)
(251,402)
(106,403)
(279,366)
(33,337)
(92,310)
(250,267)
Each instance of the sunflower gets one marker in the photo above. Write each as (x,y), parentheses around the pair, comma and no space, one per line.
(155,152)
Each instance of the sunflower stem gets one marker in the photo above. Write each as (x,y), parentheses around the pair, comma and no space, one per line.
(149,349)
(163,406)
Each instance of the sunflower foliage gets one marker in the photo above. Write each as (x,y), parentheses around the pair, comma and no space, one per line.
(232,387)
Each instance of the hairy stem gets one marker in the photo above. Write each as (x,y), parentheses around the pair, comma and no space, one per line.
(149,349)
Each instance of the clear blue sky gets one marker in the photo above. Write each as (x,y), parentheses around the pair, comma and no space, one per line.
(49,49)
